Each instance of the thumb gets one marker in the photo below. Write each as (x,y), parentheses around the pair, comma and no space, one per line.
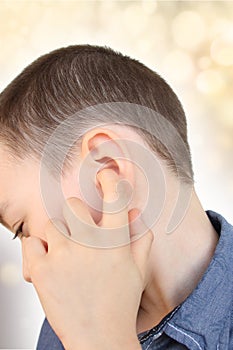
(141,241)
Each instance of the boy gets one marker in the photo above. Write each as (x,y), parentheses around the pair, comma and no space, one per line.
(90,123)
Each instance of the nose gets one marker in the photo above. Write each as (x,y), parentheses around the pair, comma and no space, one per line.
(25,270)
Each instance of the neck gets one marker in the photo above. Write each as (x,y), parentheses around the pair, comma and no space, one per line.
(177,262)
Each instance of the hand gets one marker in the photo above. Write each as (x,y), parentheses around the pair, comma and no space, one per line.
(91,295)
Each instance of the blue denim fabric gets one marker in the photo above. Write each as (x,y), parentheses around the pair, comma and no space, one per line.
(204,321)
(48,340)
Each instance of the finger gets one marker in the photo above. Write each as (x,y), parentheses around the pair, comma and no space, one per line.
(79,221)
(114,211)
(135,226)
(76,208)
(34,250)
(142,239)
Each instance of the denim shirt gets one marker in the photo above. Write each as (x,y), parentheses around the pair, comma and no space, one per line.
(204,321)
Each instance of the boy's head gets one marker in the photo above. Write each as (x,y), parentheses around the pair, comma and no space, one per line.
(65,81)
(98,86)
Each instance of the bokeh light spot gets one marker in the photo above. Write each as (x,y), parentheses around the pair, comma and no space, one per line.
(178,66)
(222,49)
(210,81)
(10,274)
(188,30)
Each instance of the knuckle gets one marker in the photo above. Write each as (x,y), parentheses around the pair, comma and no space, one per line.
(27,277)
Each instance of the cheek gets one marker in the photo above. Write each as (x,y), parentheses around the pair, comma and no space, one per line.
(36,223)
(70,188)
(87,194)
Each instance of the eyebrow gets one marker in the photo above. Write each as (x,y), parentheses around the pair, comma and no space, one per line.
(3,209)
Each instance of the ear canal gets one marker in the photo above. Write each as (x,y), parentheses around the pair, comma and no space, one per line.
(108,163)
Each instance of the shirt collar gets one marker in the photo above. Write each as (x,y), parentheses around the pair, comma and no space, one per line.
(203,315)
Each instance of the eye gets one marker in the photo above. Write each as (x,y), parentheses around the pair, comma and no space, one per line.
(19,231)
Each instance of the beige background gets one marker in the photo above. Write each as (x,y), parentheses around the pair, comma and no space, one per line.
(188,43)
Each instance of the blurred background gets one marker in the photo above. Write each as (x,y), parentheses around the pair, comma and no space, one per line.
(190,43)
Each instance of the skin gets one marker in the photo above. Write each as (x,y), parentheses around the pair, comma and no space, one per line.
(188,249)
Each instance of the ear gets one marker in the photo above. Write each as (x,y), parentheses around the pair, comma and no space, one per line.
(107,150)
(102,148)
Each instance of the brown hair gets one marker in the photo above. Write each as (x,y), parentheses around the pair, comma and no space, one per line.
(65,81)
